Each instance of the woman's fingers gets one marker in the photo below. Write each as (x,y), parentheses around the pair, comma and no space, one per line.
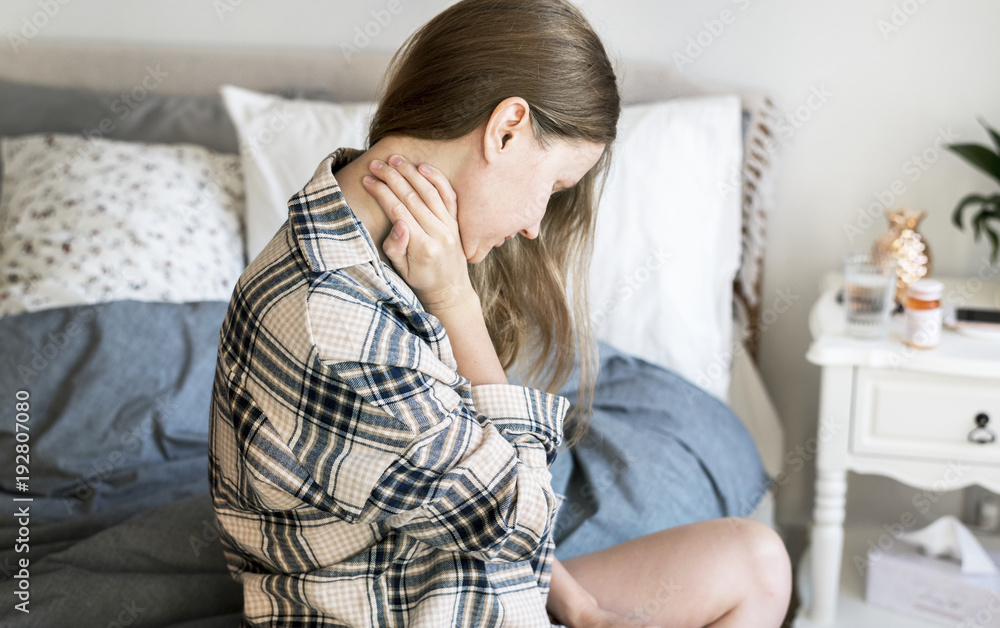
(395,246)
(443,186)
(393,207)
(412,190)
(403,224)
(428,191)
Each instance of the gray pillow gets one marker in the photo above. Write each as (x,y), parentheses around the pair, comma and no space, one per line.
(158,118)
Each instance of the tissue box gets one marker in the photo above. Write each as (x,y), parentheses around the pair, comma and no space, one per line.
(932,589)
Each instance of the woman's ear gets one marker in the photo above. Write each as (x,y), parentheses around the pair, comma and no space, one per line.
(508,129)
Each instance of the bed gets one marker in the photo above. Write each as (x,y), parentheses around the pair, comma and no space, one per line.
(138,182)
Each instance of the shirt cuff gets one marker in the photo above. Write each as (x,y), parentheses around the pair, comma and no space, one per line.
(517,409)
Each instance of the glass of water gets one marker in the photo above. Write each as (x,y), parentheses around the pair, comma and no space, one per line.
(869,294)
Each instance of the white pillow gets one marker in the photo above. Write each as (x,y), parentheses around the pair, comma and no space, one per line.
(96,220)
(668,238)
(281,143)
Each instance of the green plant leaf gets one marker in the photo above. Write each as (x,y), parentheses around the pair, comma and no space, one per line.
(982,223)
(956,216)
(993,134)
(980,157)
(978,221)
(993,210)
(994,243)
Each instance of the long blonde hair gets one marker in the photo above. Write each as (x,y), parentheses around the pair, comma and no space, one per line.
(443,83)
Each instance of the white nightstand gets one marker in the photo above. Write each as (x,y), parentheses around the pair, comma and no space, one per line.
(904,413)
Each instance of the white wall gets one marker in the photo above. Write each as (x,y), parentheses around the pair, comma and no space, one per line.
(889,96)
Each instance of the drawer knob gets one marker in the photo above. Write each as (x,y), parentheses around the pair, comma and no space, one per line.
(982,434)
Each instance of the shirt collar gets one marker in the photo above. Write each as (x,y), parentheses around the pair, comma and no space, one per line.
(328,233)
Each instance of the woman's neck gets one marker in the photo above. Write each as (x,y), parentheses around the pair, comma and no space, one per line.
(443,155)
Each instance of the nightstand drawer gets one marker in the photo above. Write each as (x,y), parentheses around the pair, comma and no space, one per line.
(923,415)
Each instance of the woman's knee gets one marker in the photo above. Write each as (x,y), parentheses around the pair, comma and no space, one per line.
(767,555)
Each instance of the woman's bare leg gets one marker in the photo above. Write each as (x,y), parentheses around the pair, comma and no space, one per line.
(723,572)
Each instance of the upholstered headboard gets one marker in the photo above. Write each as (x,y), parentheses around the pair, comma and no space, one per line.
(200,71)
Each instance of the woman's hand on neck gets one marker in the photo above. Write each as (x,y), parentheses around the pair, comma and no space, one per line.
(446,156)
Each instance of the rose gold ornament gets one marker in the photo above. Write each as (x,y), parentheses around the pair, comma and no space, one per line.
(903,242)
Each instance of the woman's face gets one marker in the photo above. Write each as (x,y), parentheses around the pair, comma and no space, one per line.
(511,198)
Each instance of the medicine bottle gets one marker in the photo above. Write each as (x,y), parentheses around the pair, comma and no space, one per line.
(923,314)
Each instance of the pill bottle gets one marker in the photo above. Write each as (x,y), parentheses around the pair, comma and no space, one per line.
(923,314)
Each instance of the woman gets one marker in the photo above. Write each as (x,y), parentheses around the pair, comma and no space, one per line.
(371,465)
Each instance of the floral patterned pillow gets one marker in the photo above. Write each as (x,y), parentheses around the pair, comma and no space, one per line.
(96,220)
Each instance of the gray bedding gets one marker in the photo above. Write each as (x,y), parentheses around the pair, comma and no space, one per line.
(122,531)
(119,397)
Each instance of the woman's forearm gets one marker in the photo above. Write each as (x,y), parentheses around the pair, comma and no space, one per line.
(477,360)
(567,600)
(470,339)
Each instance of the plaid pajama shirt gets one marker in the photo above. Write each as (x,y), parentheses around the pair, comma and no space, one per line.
(358,479)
